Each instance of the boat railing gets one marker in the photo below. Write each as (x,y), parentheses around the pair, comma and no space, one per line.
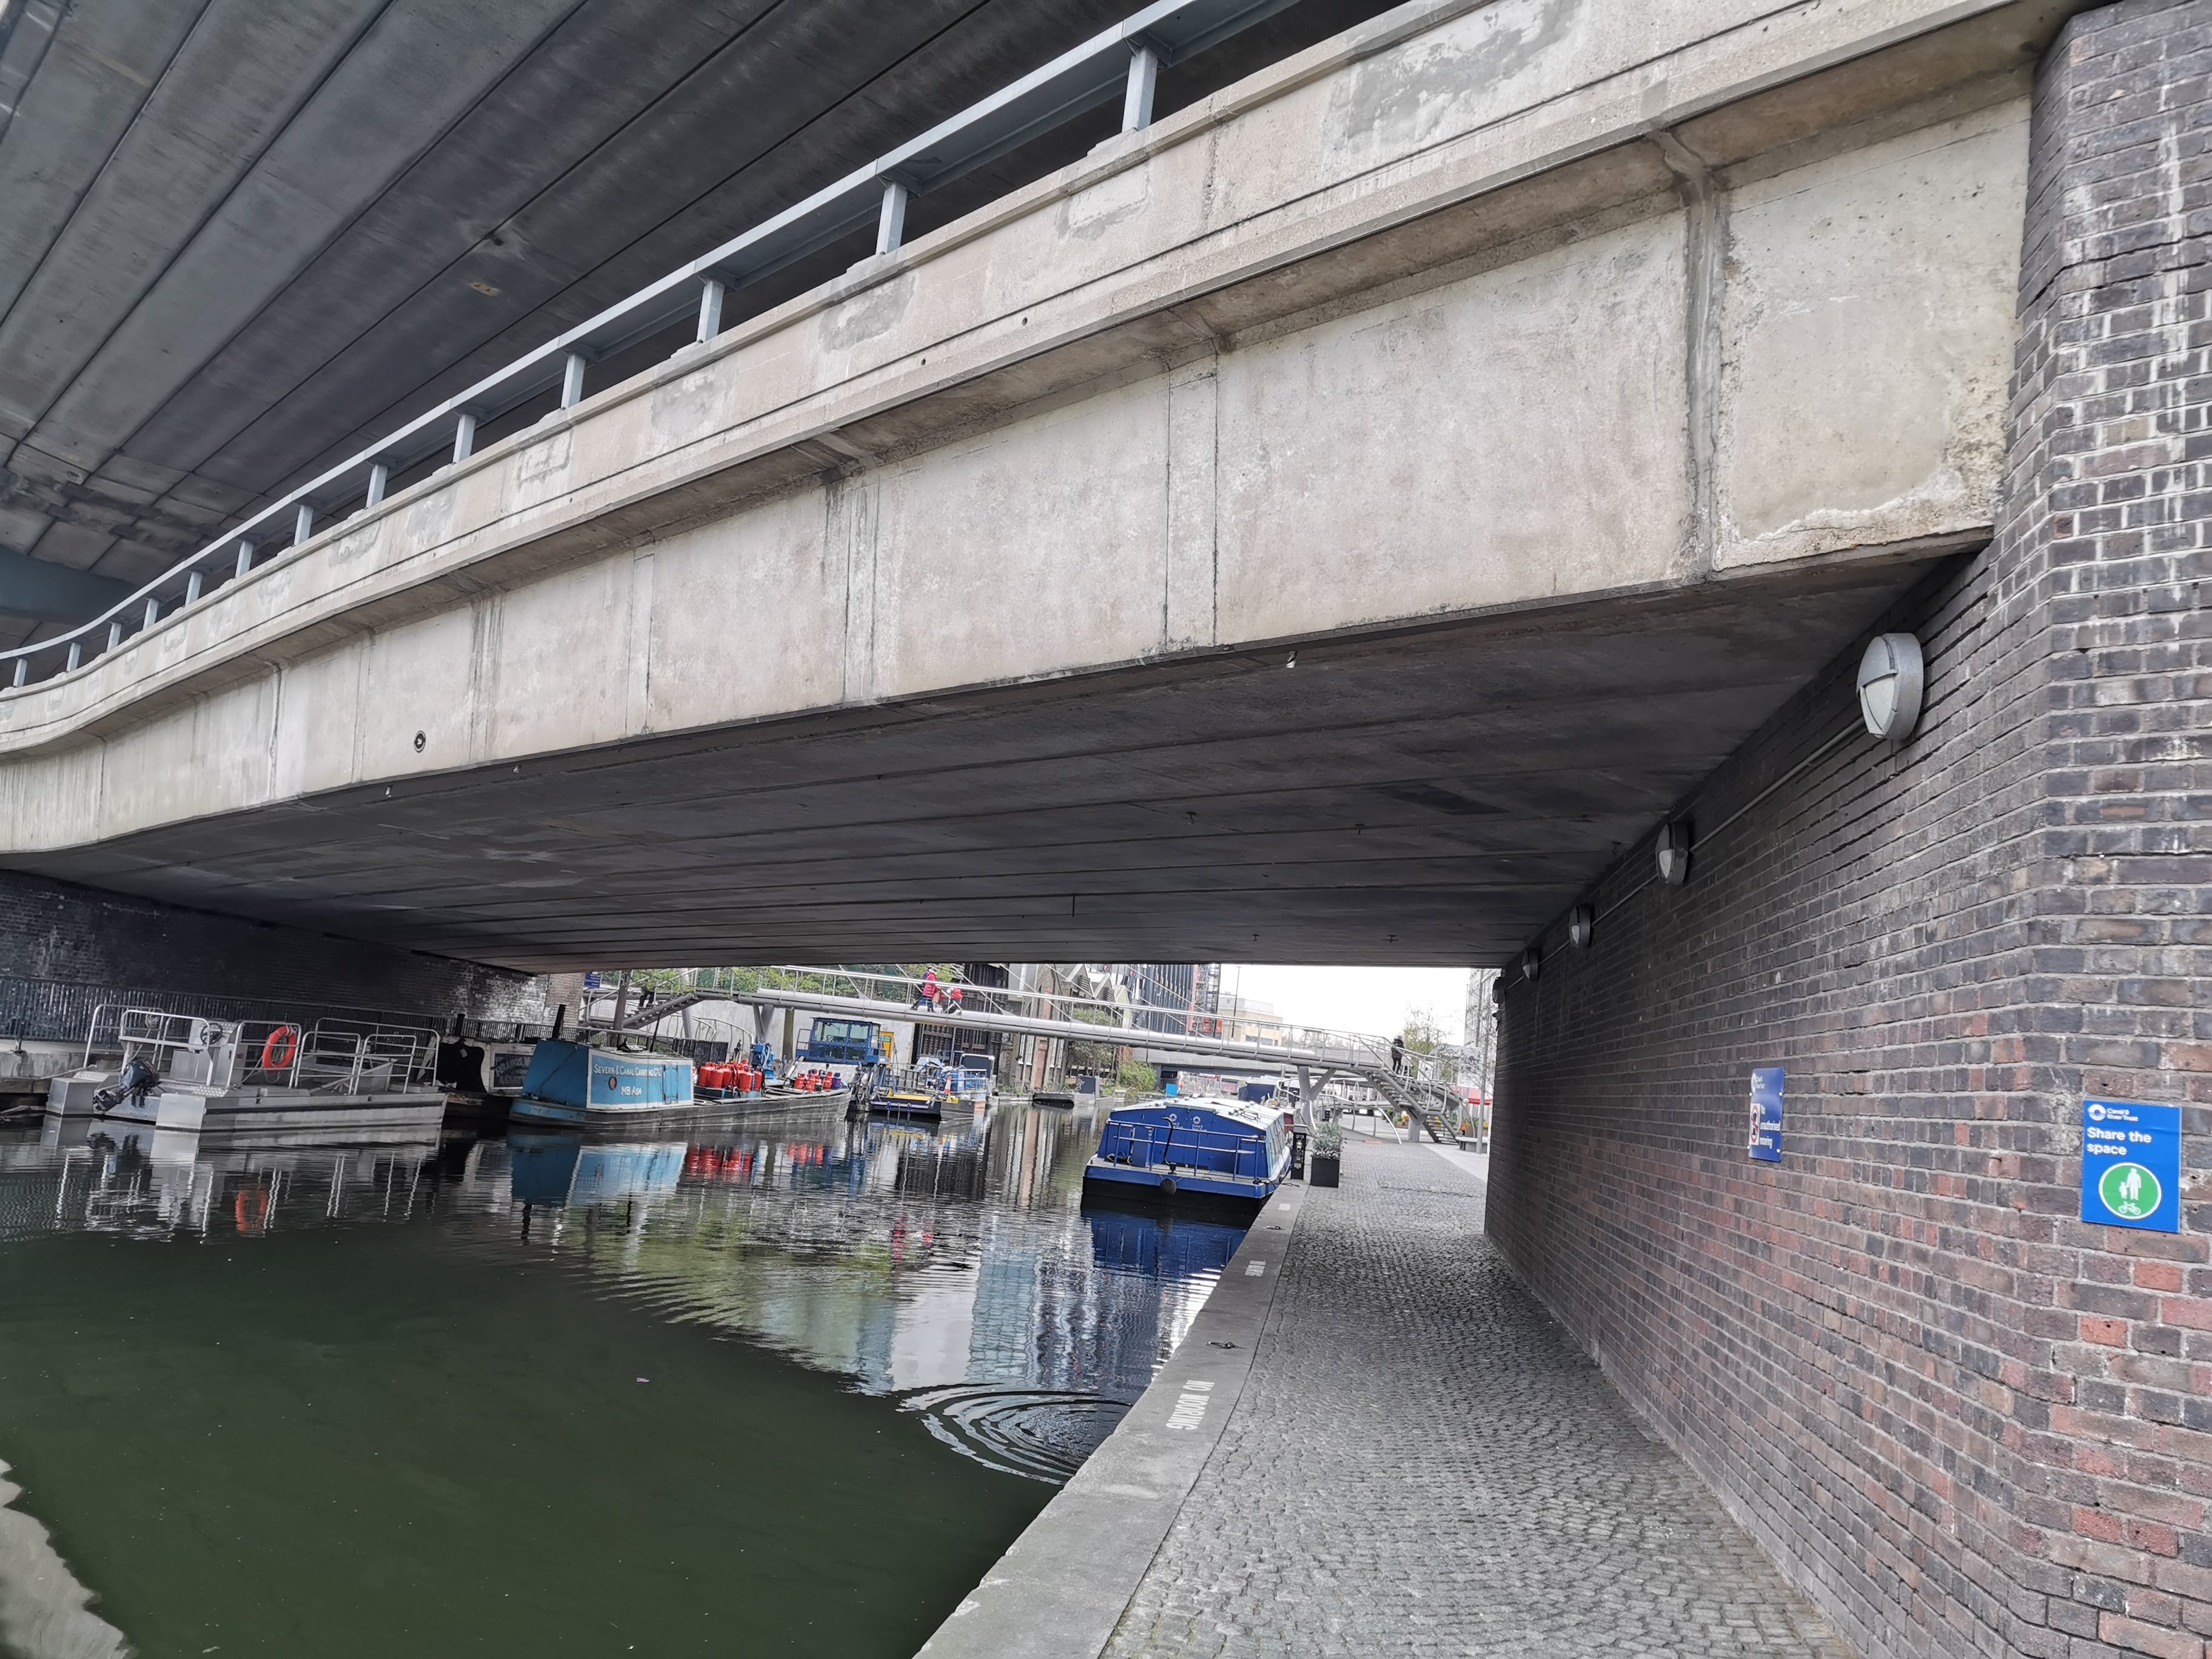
(914,1079)
(1151,1145)
(347,1057)
(151,1035)
(333,1056)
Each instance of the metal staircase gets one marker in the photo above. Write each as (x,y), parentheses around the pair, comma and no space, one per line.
(1426,1101)
(636,1018)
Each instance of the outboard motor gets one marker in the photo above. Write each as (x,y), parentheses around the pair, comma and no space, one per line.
(138,1079)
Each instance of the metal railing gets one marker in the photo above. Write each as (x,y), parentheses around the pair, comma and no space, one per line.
(1124,59)
(1155,1145)
(333,1056)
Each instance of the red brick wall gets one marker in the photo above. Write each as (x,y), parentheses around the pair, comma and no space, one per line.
(1964,1420)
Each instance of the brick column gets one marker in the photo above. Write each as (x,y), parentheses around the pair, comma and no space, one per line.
(1964,1421)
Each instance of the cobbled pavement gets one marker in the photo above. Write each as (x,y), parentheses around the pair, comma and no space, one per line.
(1423,1463)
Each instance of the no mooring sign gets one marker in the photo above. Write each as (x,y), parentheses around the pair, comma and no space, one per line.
(2131,1165)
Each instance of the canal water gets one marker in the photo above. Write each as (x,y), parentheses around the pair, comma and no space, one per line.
(774,1384)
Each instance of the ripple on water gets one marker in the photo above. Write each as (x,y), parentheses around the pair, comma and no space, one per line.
(1042,1434)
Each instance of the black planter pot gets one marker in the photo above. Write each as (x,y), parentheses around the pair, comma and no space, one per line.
(1324,1168)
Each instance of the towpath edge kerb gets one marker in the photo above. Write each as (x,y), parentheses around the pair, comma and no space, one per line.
(1061,1587)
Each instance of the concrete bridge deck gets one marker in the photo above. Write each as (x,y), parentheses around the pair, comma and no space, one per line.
(1409,1455)
(1325,525)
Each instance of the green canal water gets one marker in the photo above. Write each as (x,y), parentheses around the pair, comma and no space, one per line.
(774,1385)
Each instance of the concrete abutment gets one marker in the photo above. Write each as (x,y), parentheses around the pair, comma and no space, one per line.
(1963,1420)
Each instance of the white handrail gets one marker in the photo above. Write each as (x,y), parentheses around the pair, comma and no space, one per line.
(1116,62)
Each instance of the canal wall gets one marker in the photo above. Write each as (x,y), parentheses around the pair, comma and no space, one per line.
(1962,1419)
(1059,1591)
(65,950)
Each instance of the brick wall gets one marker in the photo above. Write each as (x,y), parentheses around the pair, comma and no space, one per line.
(1967,1422)
(65,949)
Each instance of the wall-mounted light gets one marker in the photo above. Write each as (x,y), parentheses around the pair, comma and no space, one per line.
(1532,963)
(1675,852)
(1582,923)
(1892,675)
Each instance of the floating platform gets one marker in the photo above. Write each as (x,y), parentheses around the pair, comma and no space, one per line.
(189,1075)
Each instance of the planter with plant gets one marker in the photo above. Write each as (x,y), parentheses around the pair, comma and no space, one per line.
(1327,1155)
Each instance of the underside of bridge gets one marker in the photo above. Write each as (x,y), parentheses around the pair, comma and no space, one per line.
(1423,796)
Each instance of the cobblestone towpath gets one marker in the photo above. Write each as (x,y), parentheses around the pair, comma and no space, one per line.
(1422,1462)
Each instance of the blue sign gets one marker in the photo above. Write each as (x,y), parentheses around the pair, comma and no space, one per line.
(2131,1165)
(1766,1114)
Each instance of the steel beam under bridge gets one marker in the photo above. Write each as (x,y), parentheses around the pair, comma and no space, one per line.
(1319,1061)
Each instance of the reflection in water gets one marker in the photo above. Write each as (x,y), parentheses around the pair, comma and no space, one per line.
(501,1297)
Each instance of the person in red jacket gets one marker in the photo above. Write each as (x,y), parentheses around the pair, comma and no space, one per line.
(927,998)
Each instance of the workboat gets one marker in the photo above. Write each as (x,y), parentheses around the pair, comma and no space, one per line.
(919,1094)
(573,1083)
(1191,1147)
(230,1078)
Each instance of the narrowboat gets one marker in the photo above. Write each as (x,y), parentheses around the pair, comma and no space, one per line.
(571,1082)
(1186,1147)
(228,1076)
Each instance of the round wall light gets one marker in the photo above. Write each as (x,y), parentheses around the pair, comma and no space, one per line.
(1582,923)
(1675,852)
(1532,963)
(1892,676)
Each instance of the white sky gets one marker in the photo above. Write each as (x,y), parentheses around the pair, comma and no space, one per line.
(1375,999)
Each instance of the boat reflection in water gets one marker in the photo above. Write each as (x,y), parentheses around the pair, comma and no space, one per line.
(559,1391)
(949,1267)
(110,1176)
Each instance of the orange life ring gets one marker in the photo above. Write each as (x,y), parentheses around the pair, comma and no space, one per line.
(281,1048)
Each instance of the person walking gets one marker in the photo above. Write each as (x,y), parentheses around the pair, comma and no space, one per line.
(1397,1056)
(953,1004)
(927,997)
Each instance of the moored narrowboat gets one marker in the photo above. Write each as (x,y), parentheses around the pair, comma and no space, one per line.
(571,1083)
(1186,1147)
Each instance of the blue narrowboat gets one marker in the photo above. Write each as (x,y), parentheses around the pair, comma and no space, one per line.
(569,1083)
(1186,1147)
